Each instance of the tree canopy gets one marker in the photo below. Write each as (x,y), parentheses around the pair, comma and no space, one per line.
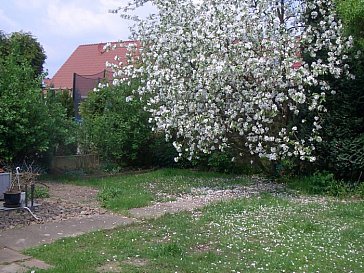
(31,122)
(26,47)
(352,13)
(230,74)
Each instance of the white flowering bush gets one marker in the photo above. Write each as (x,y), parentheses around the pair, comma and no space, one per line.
(230,74)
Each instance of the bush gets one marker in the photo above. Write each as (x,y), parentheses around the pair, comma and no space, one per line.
(162,153)
(62,127)
(114,127)
(321,183)
(359,190)
(41,191)
(347,155)
(217,161)
(342,149)
(30,123)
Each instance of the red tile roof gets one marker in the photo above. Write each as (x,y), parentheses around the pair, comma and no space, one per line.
(296,65)
(87,60)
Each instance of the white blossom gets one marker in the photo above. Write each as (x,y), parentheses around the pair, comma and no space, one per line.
(226,72)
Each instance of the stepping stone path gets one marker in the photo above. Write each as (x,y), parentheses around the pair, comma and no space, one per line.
(13,261)
(13,240)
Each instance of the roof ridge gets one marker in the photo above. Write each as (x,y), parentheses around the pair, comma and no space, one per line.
(114,42)
(88,60)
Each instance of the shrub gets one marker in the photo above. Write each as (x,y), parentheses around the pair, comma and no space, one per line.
(342,149)
(359,190)
(217,161)
(162,152)
(30,123)
(322,183)
(41,191)
(114,127)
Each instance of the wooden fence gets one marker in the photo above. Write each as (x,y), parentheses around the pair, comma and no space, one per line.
(74,162)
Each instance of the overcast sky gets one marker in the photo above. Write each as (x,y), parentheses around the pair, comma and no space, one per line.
(62,25)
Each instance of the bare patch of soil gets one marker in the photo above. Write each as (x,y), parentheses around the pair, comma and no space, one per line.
(136,262)
(202,248)
(73,194)
(66,201)
(110,267)
(114,266)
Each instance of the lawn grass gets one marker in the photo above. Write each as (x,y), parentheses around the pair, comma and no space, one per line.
(259,234)
(121,193)
(263,233)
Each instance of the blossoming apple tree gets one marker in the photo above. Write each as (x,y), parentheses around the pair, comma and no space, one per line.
(231,74)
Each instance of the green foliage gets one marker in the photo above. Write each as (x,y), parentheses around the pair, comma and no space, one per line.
(25,45)
(41,191)
(218,161)
(31,123)
(352,13)
(321,183)
(359,190)
(22,113)
(169,250)
(116,129)
(341,151)
(162,152)
(62,130)
(326,183)
(64,97)
(348,154)
(3,44)
(108,193)
(221,162)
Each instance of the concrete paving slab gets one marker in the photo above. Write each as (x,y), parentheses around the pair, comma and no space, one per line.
(9,256)
(34,263)
(13,268)
(34,235)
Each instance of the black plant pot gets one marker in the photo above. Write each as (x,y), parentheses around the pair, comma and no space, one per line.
(12,199)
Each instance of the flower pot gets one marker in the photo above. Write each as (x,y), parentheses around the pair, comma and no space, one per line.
(12,199)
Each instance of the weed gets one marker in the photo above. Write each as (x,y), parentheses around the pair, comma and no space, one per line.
(41,191)
(169,249)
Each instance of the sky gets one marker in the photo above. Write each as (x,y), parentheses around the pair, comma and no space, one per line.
(60,26)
